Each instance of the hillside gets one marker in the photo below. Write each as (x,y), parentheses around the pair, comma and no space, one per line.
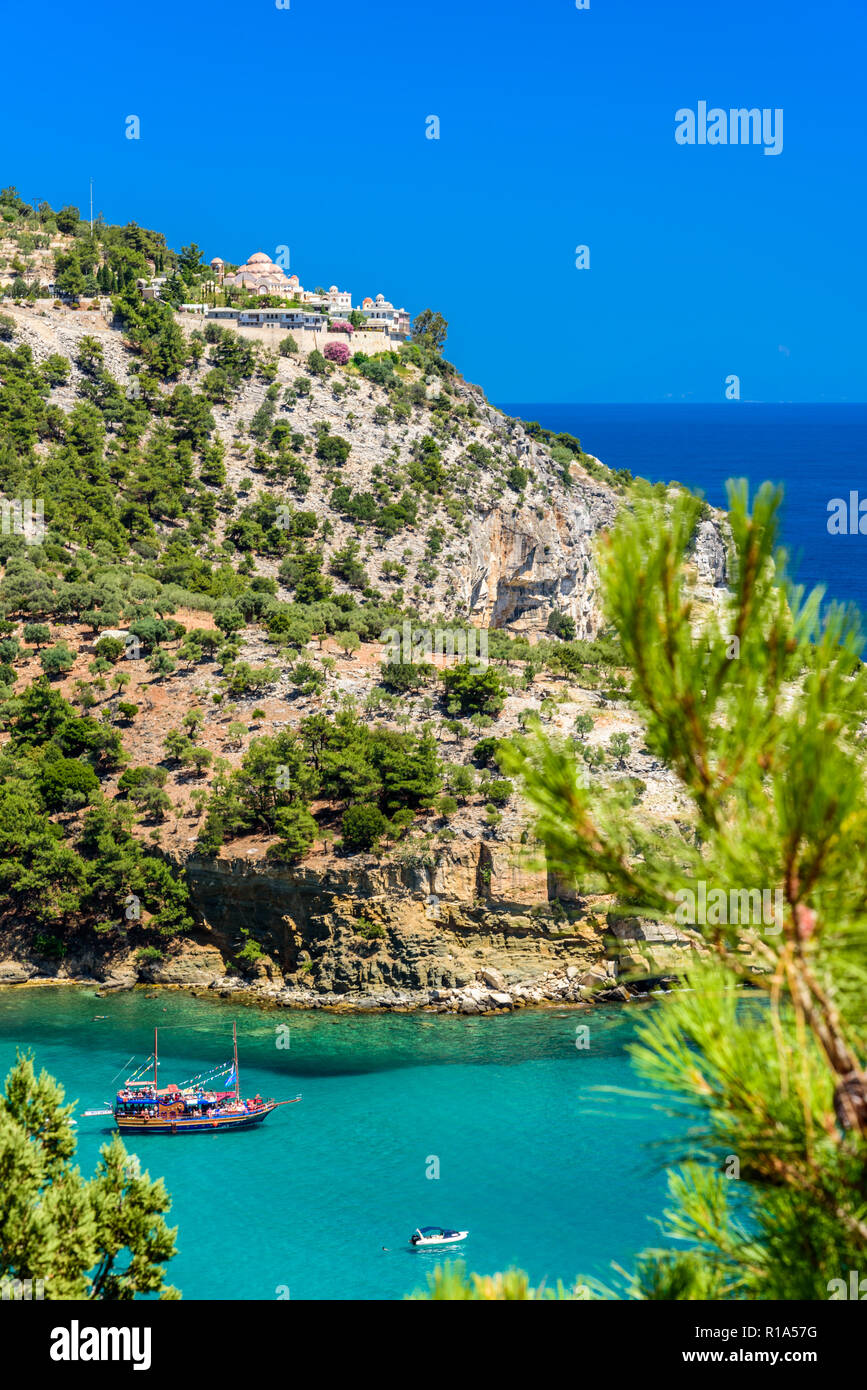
(217,769)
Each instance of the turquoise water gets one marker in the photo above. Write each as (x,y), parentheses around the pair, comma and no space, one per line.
(542,1170)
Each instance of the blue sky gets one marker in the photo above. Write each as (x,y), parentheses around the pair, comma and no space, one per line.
(305,127)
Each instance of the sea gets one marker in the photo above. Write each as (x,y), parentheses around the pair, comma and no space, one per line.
(815,452)
(515,1127)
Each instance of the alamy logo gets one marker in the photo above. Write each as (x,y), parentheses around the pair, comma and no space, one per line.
(22,1290)
(738,126)
(75,1343)
(411,644)
(747,907)
(847,518)
(23,517)
(856,1290)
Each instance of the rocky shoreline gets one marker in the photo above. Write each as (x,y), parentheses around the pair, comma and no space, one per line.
(488,993)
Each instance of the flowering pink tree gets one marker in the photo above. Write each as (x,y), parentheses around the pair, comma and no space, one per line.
(337,352)
(341,326)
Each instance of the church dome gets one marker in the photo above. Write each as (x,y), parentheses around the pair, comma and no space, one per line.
(259,258)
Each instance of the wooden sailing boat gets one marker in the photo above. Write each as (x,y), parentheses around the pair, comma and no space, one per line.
(143,1107)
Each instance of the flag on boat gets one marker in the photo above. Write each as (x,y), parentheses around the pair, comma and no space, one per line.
(231,1078)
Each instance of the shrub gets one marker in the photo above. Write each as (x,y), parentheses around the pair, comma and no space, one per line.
(370,931)
(37,633)
(57,660)
(337,352)
(562,626)
(66,782)
(474,692)
(498,792)
(363,826)
(110,648)
(485,752)
(333,450)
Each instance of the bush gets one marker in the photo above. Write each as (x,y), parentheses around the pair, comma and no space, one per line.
(562,626)
(57,660)
(363,826)
(498,792)
(149,954)
(333,450)
(37,633)
(337,352)
(485,752)
(403,676)
(110,648)
(470,691)
(66,782)
(370,931)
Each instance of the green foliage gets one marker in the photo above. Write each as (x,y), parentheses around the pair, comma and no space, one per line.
(333,450)
(57,661)
(429,331)
(451,1283)
(103,1237)
(765,748)
(498,791)
(561,625)
(470,691)
(66,783)
(404,677)
(363,826)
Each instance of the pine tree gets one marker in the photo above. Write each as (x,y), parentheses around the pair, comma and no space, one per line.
(759,711)
(97,1238)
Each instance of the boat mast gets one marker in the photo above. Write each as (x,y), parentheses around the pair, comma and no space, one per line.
(237,1077)
(155,1060)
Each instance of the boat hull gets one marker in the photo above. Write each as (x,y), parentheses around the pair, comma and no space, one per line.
(438,1244)
(194,1124)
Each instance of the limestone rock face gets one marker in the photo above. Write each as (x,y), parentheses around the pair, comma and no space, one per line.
(13,972)
(710,554)
(523,567)
(371,926)
(192,963)
(659,947)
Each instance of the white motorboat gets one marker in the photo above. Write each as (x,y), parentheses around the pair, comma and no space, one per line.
(426,1237)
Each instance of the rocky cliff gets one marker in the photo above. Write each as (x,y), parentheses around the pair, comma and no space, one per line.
(505,543)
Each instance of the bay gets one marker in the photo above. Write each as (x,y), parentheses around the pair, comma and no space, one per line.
(545,1170)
